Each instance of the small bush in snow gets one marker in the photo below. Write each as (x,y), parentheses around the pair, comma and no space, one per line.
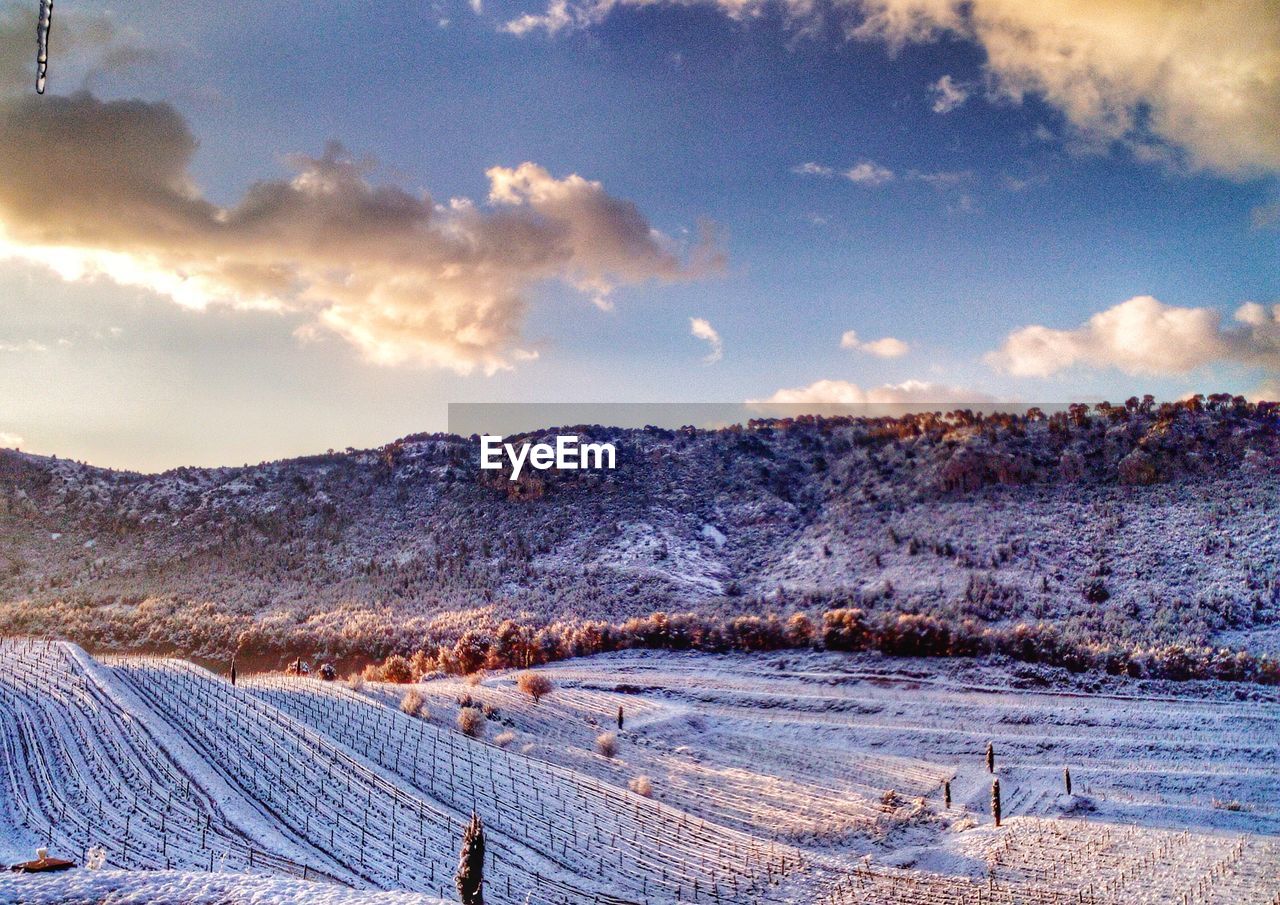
(534,684)
(641,786)
(502,739)
(414,704)
(475,678)
(607,744)
(471,722)
(355,682)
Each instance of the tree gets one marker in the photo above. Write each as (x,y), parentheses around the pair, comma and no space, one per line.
(991,758)
(995,800)
(534,684)
(619,716)
(470,876)
(1066,778)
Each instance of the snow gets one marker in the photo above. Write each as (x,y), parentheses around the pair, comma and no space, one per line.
(794,778)
(112,887)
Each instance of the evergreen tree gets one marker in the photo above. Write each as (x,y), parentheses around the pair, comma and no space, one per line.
(470,876)
(995,800)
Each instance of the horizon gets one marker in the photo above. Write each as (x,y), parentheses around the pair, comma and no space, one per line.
(508,420)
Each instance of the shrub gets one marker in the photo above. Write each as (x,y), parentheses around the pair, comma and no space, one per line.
(355,682)
(396,669)
(414,704)
(471,722)
(607,744)
(534,684)
(475,678)
(502,739)
(641,786)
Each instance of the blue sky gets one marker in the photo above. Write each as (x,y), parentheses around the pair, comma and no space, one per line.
(1020,207)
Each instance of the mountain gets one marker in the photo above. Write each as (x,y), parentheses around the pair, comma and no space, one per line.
(1142,523)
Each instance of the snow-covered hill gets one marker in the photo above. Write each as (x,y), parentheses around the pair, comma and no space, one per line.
(1138,523)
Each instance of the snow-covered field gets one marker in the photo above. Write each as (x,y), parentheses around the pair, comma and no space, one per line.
(781,778)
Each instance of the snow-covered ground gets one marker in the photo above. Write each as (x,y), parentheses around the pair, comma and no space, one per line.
(780,778)
(170,887)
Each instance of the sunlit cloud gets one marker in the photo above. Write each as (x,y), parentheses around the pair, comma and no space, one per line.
(888,347)
(948,94)
(102,190)
(842,392)
(702,329)
(869,173)
(1144,336)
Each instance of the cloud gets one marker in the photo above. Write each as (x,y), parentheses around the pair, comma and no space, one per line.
(888,347)
(842,392)
(869,173)
(812,169)
(948,94)
(941,179)
(702,329)
(29,345)
(10,441)
(1181,82)
(1166,77)
(1144,336)
(103,189)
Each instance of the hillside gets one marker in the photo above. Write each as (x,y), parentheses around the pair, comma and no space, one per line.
(771,779)
(1143,523)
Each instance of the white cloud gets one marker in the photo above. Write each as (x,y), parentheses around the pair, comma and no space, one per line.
(702,329)
(29,345)
(842,392)
(1144,336)
(1181,81)
(402,278)
(888,347)
(948,94)
(9,441)
(869,173)
(812,169)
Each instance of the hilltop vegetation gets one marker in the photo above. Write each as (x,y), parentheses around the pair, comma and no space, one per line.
(1138,525)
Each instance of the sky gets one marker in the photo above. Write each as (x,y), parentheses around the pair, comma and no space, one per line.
(238,232)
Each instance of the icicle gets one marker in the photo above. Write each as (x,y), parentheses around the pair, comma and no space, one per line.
(42,43)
